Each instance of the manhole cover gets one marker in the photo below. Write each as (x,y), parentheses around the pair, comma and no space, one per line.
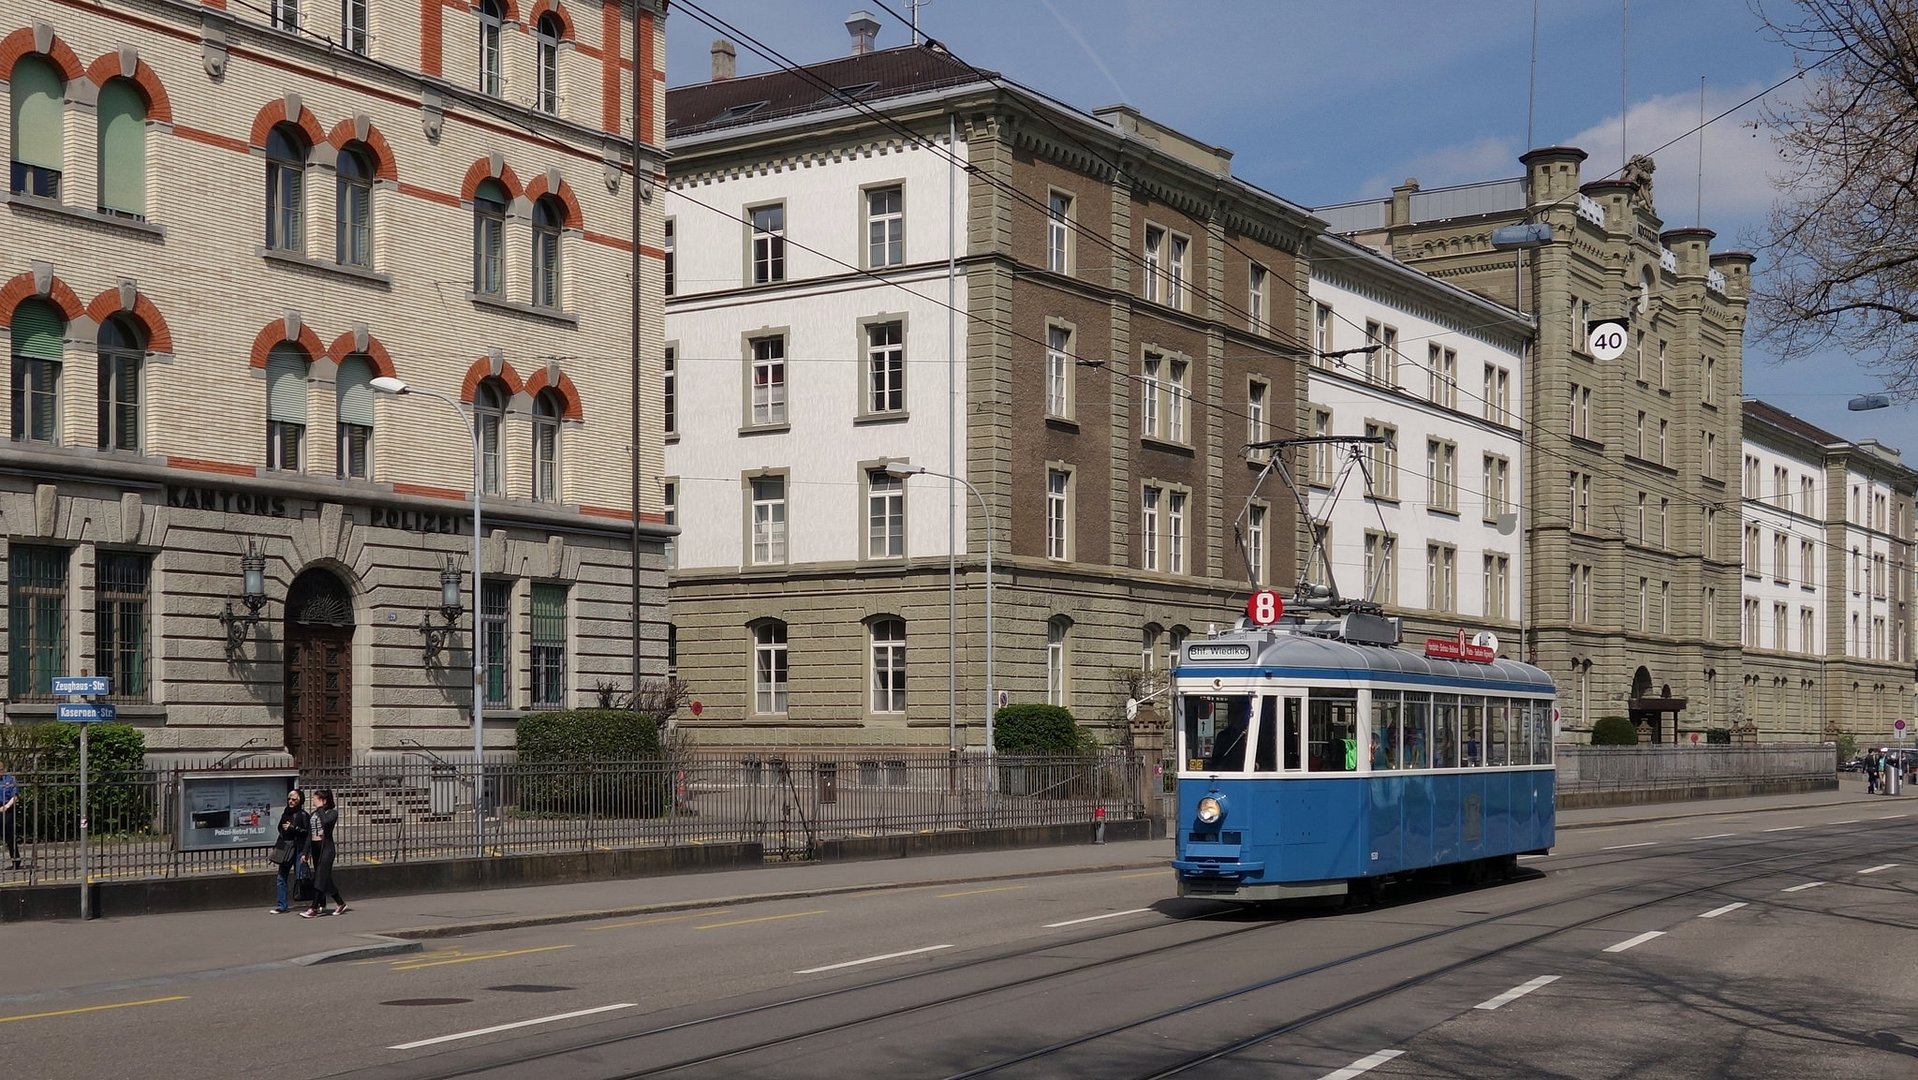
(427,1001)
(528,988)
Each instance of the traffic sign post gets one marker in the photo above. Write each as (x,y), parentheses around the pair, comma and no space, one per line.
(86,714)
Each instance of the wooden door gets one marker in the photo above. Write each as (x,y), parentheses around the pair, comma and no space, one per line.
(319,694)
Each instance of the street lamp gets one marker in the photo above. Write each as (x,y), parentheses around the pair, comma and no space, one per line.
(903,470)
(387,384)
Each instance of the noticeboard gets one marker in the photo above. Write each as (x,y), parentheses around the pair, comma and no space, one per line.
(231,810)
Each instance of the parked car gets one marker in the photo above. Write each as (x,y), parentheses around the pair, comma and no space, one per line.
(1856,764)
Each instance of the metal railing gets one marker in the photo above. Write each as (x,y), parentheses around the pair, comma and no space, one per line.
(1651,767)
(411,807)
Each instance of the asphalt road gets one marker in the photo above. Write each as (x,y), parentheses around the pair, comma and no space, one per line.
(1756,945)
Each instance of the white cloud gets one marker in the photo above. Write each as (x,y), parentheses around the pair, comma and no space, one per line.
(1488,157)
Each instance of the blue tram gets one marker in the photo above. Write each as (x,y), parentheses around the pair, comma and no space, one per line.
(1319,758)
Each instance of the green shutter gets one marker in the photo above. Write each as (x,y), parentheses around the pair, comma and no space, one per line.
(39,106)
(123,159)
(356,391)
(38,330)
(286,386)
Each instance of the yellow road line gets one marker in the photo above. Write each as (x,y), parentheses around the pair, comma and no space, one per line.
(762,918)
(477,956)
(93,1008)
(1148,873)
(410,958)
(976,892)
(663,919)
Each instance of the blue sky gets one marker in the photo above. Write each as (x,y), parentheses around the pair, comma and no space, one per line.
(1325,101)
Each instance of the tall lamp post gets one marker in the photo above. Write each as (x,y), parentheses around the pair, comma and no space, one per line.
(902,470)
(386,384)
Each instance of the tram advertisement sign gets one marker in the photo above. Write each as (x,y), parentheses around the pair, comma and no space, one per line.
(1264,607)
(1459,648)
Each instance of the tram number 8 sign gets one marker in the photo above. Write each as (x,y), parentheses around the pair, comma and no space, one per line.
(1264,607)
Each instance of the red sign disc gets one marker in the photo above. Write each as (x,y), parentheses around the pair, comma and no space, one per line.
(1264,607)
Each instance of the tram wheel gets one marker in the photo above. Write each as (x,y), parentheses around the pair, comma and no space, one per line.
(1363,893)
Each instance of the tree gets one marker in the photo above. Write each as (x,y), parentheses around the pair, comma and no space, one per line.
(1841,247)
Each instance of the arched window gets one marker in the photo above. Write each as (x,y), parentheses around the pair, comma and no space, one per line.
(122,349)
(286,407)
(491,19)
(548,34)
(489,238)
(354,385)
(1057,630)
(123,150)
(546,413)
(769,668)
(353,235)
(888,666)
(38,335)
(548,219)
(286,189)
(38,97)
(489,412)
(353,25)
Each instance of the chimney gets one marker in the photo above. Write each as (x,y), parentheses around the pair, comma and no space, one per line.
(863,28)
(724,59)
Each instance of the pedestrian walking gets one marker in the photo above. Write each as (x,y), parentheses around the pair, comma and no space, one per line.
(322,844)
(9,799)
(1871,776)
(289,850)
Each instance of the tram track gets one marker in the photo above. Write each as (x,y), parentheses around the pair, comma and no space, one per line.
(1768,865)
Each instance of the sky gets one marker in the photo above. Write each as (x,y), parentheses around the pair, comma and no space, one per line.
(1328,101)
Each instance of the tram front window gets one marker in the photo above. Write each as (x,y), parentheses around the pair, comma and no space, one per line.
(1215,733)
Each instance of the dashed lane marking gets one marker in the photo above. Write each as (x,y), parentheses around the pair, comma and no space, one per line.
(1726,910)
(1622,847)
(1875,869)
(1363,1065)
(1802,888)
(1096,918)
(1634,942)
(1516,992)
(508,1027)
(977,892)
(1715,836)
(871,960)
(762,918)
(1786,828)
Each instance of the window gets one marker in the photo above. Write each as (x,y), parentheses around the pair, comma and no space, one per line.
(769,668)
(1382,459)
(1581,594)
(37,620)
(669,392)
(549,645)
(885,515)
(1176,272)
(1257,302)
(1149,648)
(1495,482)
(1663,428)
(122,349)
(885,227)
(496,611)
(1638,435)
(122,644)
(1441,475)
(1154,260)
(1442,371)
(1441,577)
(1149,527)
(1711,614)
(285,190)
(122,140)
(286,15)
(1711,532)
(1059,372)
(1381,567)
(1380,367)
(1058,514)
(672,259)
(889,666)
(1162,529)
(489,413)
(1497,585)
(1257,392)
(1807,570)
(1751,552)
(1320,472)
(1779,627)
(1057,692)
(1664,523)
(1175,531)
(548,223)
(38,97)
(1780,559)
(1498,395)
(1581,498)
(353,25)
(1751,481)
(1641,517)
(1255,542)
(547,409)
(1644,603)
(286,408)
(353,187)
(547,36)
(886,367)
(769,244)
(1711,375)
(489,238)
(669,500)
(768,402)
(492,18)
(1164,397)
(1579,410)
(1807,496)
(768,520)
(1322,328)
(353,387)
(1059,233)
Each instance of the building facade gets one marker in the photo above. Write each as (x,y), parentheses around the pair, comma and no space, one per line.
(224,227)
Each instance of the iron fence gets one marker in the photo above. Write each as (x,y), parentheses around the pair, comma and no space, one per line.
(417,807)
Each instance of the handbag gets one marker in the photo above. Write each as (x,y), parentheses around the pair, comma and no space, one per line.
(281,853)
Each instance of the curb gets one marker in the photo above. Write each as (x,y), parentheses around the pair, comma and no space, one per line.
(379,945)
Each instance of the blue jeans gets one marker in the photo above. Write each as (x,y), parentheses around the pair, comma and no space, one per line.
(280,881)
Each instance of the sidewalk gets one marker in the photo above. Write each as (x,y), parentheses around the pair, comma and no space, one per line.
(46,957)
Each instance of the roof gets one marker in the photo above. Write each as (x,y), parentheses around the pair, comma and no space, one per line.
(1303,656)
(866,77)
(1786,422)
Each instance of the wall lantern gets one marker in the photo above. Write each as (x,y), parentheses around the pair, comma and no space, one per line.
(450,609)
(253,585)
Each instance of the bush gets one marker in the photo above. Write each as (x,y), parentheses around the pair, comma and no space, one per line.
(1718,736)
(1031,728)
(1847,747)
(560,759)
(45,758)
(1614,731)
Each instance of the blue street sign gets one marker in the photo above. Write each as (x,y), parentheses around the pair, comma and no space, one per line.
(64,685)
(86,714)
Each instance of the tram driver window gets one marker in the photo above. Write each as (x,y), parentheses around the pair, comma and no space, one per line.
(1266,757)
(1215,735)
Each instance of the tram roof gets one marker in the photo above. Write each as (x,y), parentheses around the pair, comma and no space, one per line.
(1306,656)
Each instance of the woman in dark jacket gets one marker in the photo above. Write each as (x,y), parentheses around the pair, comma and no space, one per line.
(293,837)
(323,844)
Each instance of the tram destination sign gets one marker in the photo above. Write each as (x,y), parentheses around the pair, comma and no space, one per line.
(1459,648)
(1221,651)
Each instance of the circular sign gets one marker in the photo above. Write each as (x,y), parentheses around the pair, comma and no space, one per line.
(697,708)
(1264,607)
(1485,639)
(1606,340)
(1694,736)
(1897,725)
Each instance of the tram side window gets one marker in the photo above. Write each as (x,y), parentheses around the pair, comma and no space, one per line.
(1384,736)
(1294,735)
(1541,733)
(1498,715)
(1215,735)
(1266,756)
(1332,731)
(1472,729)
(1521,732)
(1418,732)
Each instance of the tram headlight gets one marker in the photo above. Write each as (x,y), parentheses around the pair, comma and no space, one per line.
(1211,810)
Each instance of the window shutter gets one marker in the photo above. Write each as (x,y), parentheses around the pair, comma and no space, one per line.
(286,386)
(549,614)
(356,391)
(123,159)
(38,331)
(39,101)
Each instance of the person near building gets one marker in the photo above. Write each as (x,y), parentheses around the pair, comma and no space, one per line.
(292,843)
(9,799)
(1871,775)
(323,844)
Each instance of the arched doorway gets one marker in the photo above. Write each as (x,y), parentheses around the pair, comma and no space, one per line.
(319,670)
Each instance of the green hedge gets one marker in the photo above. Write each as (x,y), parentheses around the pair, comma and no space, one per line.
(1030,728)
(45,759)
(561,754)
(1614,731)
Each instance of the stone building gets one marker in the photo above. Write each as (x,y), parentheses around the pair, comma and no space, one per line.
(223,225)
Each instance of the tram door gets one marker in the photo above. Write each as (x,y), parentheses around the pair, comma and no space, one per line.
(1281,745)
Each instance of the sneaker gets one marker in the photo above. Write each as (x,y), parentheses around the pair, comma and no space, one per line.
(311,913)
(277,910)
(341,910)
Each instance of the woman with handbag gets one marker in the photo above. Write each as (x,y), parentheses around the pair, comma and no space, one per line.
(290,848)
(323,843)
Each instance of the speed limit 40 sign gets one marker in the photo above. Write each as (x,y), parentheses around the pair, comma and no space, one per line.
(1605,339)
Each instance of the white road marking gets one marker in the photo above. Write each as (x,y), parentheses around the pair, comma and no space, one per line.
(509,1027)
(1622,847)
(1887,817)
(1096,918)
(1806,885)
(1529,858)
(1847,821)
(1875,869)
(1363,1065)
(1641,939)
(1726,910)
(872,960)
(1516,992)
(1785,828)
(1715,836)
